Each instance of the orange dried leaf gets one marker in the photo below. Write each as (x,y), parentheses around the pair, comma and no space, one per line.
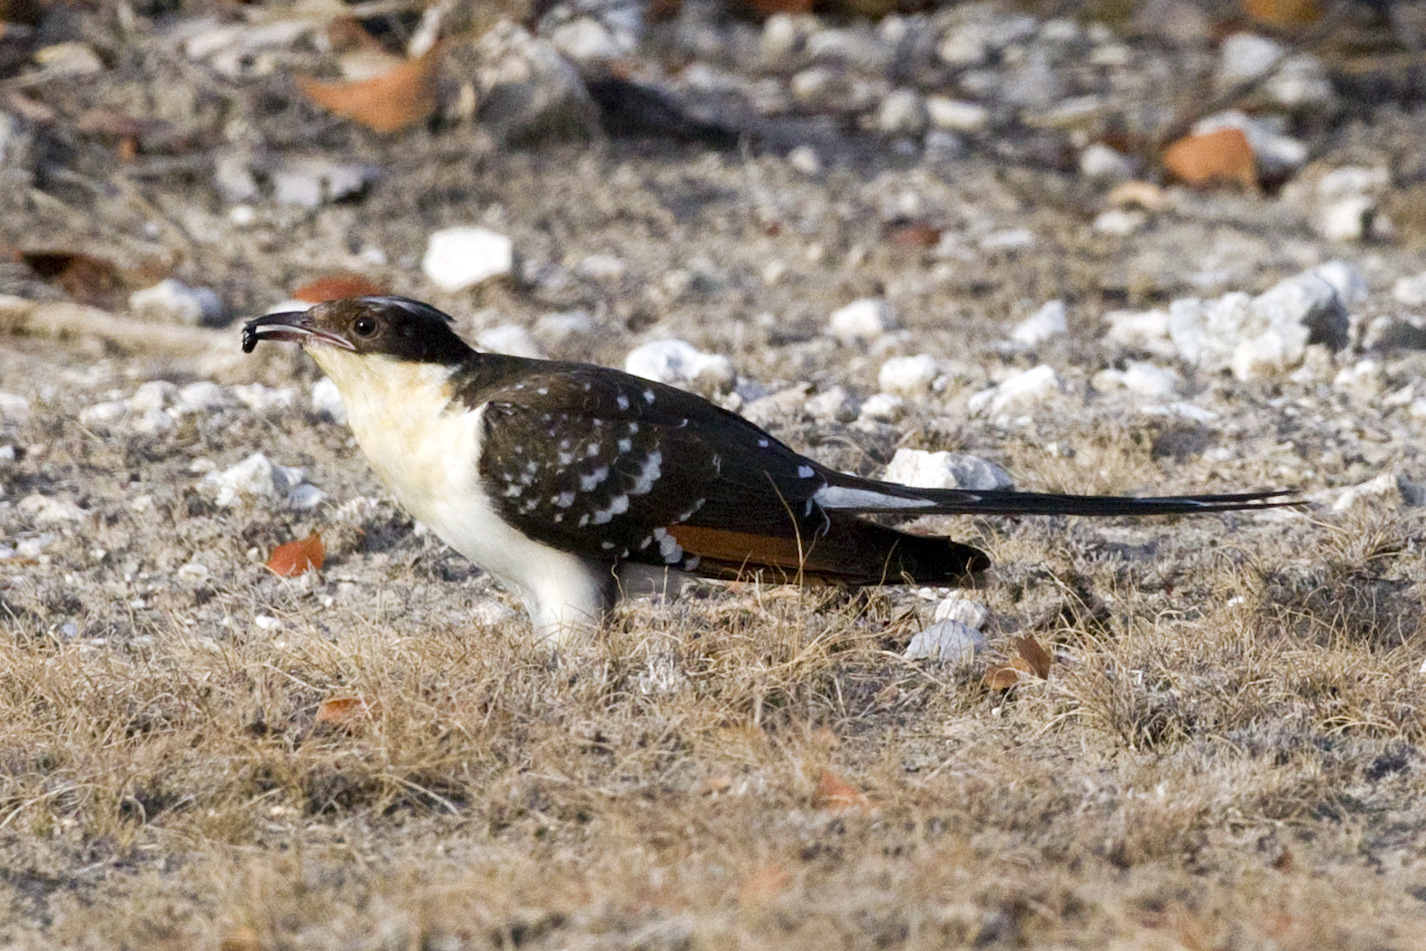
(1220,156)
(835,794)
(392,101)
(336,286)
(343,711)
(295,558)
(1036,658)
(1005,676)
(1283,14)
(765,884)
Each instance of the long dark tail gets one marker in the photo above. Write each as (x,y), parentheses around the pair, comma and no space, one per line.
(868,496)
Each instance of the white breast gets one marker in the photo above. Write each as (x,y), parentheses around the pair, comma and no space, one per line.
(426,448)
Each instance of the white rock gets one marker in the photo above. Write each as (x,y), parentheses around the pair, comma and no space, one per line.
(511,339)
(561,326)
(602,267)
(526,88)
(32,546)
(14,408)
(902,112)
(1141,330)
(1100,163)
(957,115)
(262,399)
(68,59)
(173,302)
(327,399)
(1120,222)
(256,477)
(679,363)
(782,36)
(865,319)
(1353,180)
(102,415)
(461,257)
(1410,291)
(949,642)
(1347,281)
(201,396)
(1043,325)
(490,613)
(1364,377)
(1265,335)
(155,394)
(1245,56)
(853,46)
(833,404)
(44,510)
(586,40)
(305,496)
(154,422)
(1025,388)
(804,158)
(1347,219)
(193,572)
(959,607)
(881,408)
(908,376)
(1379,491)
(1145,379)
(1301,80)
(1011,239)
(311,181)
(945,470)
(8,453)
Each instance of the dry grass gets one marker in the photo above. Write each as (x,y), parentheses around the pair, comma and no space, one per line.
(1232,763)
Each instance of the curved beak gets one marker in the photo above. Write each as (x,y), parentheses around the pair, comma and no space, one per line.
(297,326)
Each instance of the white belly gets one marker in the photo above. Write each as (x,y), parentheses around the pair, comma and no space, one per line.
(427,451)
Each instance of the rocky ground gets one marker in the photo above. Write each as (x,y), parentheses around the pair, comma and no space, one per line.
(883,236)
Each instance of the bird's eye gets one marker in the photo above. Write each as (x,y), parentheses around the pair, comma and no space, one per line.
(364,326)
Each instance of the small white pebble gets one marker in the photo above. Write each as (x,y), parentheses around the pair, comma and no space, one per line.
(457,258)
(949,642)
(1043,325)
(865,319)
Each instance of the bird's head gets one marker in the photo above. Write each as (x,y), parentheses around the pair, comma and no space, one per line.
(396,328)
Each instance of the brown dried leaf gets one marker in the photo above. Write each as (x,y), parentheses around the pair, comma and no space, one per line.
(1037,659)
(84,277)
(387,103)
(1217,157)
(766,8)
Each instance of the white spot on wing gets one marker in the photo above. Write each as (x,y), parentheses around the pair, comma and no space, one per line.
(564,500)
(588,482)
(805,472)
(649,397)
(648,474)
(623,401)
